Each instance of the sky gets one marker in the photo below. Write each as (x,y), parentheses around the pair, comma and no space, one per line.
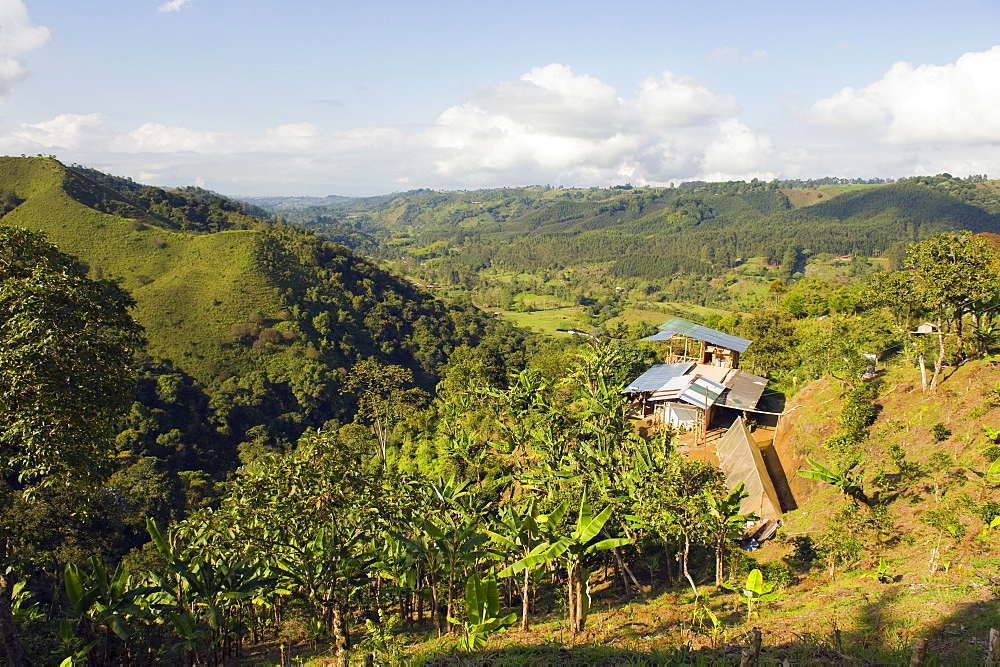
(321,97)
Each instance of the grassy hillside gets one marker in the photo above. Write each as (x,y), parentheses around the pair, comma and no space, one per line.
(252,331)
(189,289)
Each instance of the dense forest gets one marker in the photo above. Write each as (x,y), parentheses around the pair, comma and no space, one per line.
(223,432)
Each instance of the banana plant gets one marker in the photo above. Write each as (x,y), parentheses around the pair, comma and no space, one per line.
(571,549)
(725,522)
(205,590)
(755,591)
(108,602)
(842,480)
(23,611)
(482,611)
(518,533)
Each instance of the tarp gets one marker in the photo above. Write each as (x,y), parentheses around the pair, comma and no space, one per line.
(741,461)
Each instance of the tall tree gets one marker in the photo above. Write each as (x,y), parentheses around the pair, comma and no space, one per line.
(957,274)
(66,349)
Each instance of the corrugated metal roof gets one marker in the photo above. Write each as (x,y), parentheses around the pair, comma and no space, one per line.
(677,326)
(657,377)
(702,392)
(672,389)
(744,391)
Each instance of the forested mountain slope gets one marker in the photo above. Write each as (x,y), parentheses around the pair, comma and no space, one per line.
(648,232)
(267,320)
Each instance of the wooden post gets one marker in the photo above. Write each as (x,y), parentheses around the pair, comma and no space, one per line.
(918,652)
(993,655)
(751,654)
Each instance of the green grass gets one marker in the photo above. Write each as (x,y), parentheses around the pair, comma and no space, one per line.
(554,321)
(189,289)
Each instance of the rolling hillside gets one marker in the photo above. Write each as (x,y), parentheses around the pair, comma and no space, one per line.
(650,233)
(189,289)
(267,321)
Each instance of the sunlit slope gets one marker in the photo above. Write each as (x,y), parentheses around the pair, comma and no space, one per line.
(189,289)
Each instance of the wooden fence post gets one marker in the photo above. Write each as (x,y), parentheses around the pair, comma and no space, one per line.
(918,652)
(751,654)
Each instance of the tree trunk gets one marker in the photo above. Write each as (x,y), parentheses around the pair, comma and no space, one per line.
(940,361)
(571,589)
(582,597)
(339,638)
(684,565)
(627,575)
(923,373)
(525,599)
(720,550)
(8,627)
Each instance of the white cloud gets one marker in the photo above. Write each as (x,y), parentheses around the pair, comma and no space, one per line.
(173,5)
(737,153)
(64,131)
(552,100)
(554,126)
(157,138)
(956,103)
(17,37)
(548,126)
(670,100)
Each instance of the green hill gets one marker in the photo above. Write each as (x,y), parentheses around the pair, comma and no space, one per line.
(189,289)
(651,233)
(265,320)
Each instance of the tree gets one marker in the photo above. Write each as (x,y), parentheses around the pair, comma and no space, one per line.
(673,503)
(313,515)
(725,523)
(572,548)
(381,397)
(518,533)
(957,275)
(65,375)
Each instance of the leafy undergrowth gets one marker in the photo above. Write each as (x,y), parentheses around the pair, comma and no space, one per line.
(929,568)
(849,619)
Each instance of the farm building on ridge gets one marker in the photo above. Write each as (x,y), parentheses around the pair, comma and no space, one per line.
(701,389)
(693,342)
(701,376)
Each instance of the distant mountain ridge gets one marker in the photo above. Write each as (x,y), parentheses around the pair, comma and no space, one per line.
(647,232)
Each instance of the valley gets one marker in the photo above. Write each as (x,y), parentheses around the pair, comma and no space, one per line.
(393,428)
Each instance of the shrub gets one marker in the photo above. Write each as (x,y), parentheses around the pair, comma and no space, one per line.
(803,550)
(940,432)
(270,336)
(244,333)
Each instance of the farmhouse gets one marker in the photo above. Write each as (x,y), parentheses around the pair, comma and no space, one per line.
(700,382)
(700,389)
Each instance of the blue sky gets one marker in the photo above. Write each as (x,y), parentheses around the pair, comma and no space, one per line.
(261,97)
